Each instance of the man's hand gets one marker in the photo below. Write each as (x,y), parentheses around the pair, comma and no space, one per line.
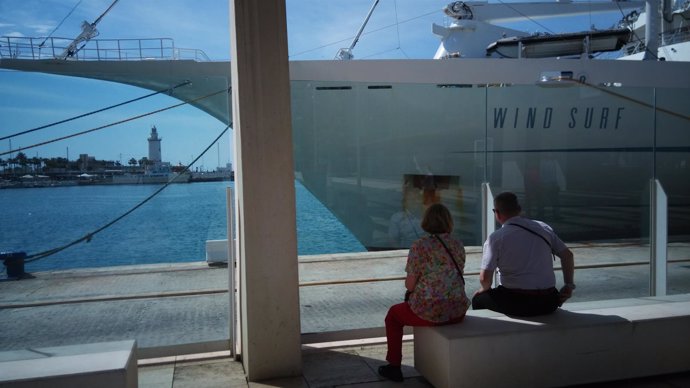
(486,279)
(565,293)
(479,291)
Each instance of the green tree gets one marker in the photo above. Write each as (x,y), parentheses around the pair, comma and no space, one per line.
(56,163)
(22,160)
(36,163)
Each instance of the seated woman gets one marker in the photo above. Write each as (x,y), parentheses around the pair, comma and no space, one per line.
(434,284)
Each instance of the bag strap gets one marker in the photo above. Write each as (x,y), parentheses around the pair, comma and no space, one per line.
(540,236)
(452,258)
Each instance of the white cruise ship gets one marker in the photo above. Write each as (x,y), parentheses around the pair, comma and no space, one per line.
(577,138)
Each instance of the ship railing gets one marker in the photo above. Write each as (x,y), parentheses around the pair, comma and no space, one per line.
(13,47)
(678,35)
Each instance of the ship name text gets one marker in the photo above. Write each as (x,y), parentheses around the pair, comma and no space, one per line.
(548,117)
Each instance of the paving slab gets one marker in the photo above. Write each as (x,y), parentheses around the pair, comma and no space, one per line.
(162,306)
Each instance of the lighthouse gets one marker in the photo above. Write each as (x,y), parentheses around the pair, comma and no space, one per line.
(154,146)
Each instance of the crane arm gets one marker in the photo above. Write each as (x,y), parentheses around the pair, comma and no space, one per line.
(346,53)
(88,32)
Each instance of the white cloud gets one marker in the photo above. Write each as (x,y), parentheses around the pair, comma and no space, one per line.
(41,29)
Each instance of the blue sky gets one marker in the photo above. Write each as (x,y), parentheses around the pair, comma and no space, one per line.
(316,29)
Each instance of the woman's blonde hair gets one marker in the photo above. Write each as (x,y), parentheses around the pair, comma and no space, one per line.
(437,219)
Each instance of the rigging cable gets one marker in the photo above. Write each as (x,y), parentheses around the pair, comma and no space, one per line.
(397,23)
(608,90)
(59,24)
(366,33)
(112,124)
(527,17)
(169,90)
(383,52)
(397,26)
(632,31)
(87,237)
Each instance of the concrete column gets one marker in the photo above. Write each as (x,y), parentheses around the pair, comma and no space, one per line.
(264,180)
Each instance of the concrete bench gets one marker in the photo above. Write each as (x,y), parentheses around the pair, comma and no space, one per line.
(103,365)
(583,343)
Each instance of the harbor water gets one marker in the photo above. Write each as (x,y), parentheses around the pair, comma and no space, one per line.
(170,228)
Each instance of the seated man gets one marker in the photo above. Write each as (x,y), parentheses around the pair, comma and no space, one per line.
(522,250)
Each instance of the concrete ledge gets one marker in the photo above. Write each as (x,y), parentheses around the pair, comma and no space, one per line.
(348,335)
(103,365)
(593,342)
(184,349)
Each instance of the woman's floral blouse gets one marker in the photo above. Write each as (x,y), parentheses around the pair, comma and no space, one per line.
(439,295)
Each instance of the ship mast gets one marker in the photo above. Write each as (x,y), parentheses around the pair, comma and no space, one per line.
(88,32)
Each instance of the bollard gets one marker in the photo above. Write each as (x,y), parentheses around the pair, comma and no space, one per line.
(14,262)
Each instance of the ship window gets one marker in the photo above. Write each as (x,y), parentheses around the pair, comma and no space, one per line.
(444,86)
(611,84)
(498,85)
(333,87)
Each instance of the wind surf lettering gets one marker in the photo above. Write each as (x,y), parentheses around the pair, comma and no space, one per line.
(589,116)
(545,117)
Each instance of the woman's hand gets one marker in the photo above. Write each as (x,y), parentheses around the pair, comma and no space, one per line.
(410,282)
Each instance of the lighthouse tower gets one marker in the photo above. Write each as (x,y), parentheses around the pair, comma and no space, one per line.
(154,146)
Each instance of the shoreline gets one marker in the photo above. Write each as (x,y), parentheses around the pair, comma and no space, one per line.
(139,179)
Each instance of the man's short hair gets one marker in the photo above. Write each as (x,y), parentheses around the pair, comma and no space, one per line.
(507,203)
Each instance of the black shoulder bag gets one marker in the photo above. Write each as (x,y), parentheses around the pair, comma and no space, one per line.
(540,236)
(452,258)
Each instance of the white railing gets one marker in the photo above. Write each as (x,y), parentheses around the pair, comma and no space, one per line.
(678,35)
(97,50)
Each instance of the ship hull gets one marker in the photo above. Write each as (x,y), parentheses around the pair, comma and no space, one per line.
(377,151)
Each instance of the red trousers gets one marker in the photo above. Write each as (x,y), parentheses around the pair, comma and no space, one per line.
(400,315)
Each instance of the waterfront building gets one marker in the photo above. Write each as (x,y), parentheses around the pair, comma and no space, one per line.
(154,146)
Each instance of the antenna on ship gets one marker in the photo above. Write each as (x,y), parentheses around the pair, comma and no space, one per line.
(88,32)
(346,53)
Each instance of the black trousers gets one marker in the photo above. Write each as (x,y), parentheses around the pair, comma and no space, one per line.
(517,302)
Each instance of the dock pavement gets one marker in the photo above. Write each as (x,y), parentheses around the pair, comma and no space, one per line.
(184,307)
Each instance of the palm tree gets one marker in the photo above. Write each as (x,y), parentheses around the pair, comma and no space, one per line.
(36,162)
(22,160)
